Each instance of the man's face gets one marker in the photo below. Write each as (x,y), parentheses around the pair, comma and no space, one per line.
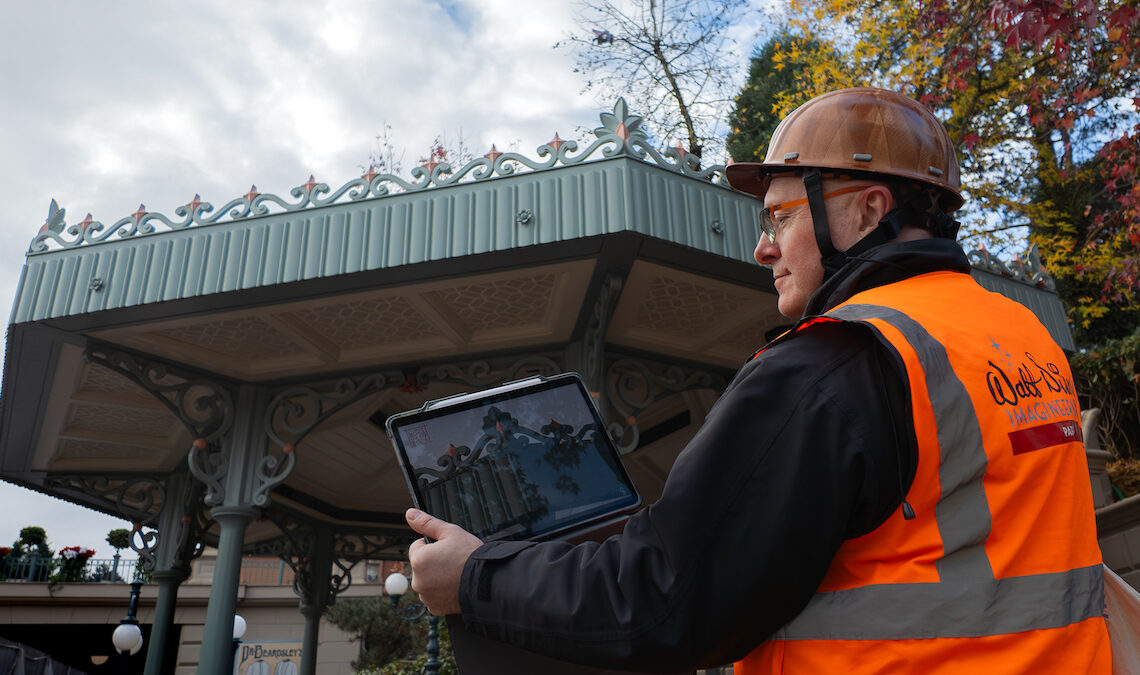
(795,261)
(794,256)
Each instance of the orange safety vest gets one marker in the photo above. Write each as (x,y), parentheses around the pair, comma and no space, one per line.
(999,571)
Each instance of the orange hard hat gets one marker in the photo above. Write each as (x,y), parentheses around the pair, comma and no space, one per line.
(859,132)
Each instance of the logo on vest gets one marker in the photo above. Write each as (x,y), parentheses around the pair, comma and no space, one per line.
(1034,395)
(1029,381)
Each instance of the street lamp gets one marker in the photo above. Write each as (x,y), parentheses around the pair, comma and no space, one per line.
(239,631)
(128,638)
(396,585)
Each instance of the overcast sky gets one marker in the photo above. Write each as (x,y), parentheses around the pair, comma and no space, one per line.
(106,105)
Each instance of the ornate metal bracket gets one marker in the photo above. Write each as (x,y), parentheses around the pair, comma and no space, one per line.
(594,339)
(136,497)
(295,411)
(636,384)
(296,547)
(203,405)
(132,495)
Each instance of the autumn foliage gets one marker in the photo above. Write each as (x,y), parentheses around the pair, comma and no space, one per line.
(1040,97)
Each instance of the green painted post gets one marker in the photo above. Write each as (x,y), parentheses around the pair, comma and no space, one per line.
(316,597)
(160,629)
(216,655)
(245,448)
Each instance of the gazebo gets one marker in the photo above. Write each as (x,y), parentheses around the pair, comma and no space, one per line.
(221,377)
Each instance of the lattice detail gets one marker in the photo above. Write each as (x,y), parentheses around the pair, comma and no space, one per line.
(99,379)
(242,337)
(94,417)
(70,448)
(495,304)
(364,323)
(685,309)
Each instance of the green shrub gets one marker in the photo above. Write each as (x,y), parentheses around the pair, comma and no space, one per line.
(1108,377)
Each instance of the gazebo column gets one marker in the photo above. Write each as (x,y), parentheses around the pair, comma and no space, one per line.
(171,562)
(315,596)
(217,639)
(238,476)
(168,582)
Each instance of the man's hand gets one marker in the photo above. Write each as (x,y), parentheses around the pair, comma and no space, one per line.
(438,566)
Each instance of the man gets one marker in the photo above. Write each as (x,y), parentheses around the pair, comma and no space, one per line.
(897,484)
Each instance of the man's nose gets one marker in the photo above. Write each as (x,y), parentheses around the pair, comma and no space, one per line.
(766,251)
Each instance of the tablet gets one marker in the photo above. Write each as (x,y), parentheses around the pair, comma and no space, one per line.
(525,460)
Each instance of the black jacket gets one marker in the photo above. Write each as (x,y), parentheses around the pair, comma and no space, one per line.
(811,444)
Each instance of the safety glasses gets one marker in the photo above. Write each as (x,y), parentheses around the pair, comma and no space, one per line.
(768,222)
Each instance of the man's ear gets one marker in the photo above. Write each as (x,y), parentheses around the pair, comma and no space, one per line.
(874,203)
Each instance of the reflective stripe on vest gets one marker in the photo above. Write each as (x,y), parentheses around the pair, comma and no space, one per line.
(967,601)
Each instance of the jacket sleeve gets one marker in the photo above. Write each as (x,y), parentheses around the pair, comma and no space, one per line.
(798,454)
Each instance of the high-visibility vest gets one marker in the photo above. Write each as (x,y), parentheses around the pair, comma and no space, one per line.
(999,571)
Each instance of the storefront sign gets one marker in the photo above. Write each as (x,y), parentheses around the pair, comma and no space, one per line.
(268,657)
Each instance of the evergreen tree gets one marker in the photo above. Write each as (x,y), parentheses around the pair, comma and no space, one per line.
(770,74)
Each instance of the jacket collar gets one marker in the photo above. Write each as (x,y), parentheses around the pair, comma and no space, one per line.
(886,264)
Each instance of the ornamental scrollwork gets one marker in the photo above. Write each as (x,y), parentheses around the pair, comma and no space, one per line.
(295,411)
(133,496)
(620,135)
(357,546)
(208,461)
(634,385)
(594,340)
(204,406)
(296,547)
(272,470)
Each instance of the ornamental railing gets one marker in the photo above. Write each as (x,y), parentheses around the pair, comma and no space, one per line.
(620,135)
(37,569)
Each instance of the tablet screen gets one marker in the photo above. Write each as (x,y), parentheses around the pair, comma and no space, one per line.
(514,463)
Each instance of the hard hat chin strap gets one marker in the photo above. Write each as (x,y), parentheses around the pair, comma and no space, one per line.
(933,219)
(831,258)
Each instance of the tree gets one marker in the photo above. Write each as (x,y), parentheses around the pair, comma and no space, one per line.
(119,538)
(668,58)
(31,551)
(386,639)
(754,117)
(1033,92)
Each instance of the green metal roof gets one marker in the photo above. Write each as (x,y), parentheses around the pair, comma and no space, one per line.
(262,240)
(495,203)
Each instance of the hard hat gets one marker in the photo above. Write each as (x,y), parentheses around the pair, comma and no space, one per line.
(859,132)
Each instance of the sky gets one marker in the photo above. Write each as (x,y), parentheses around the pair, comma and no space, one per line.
(106,106)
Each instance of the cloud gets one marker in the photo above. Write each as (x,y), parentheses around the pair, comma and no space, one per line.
(109,105)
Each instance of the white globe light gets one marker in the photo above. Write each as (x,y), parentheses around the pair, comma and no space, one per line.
(126,636)
(396,584)
(239,626)
(138,645)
